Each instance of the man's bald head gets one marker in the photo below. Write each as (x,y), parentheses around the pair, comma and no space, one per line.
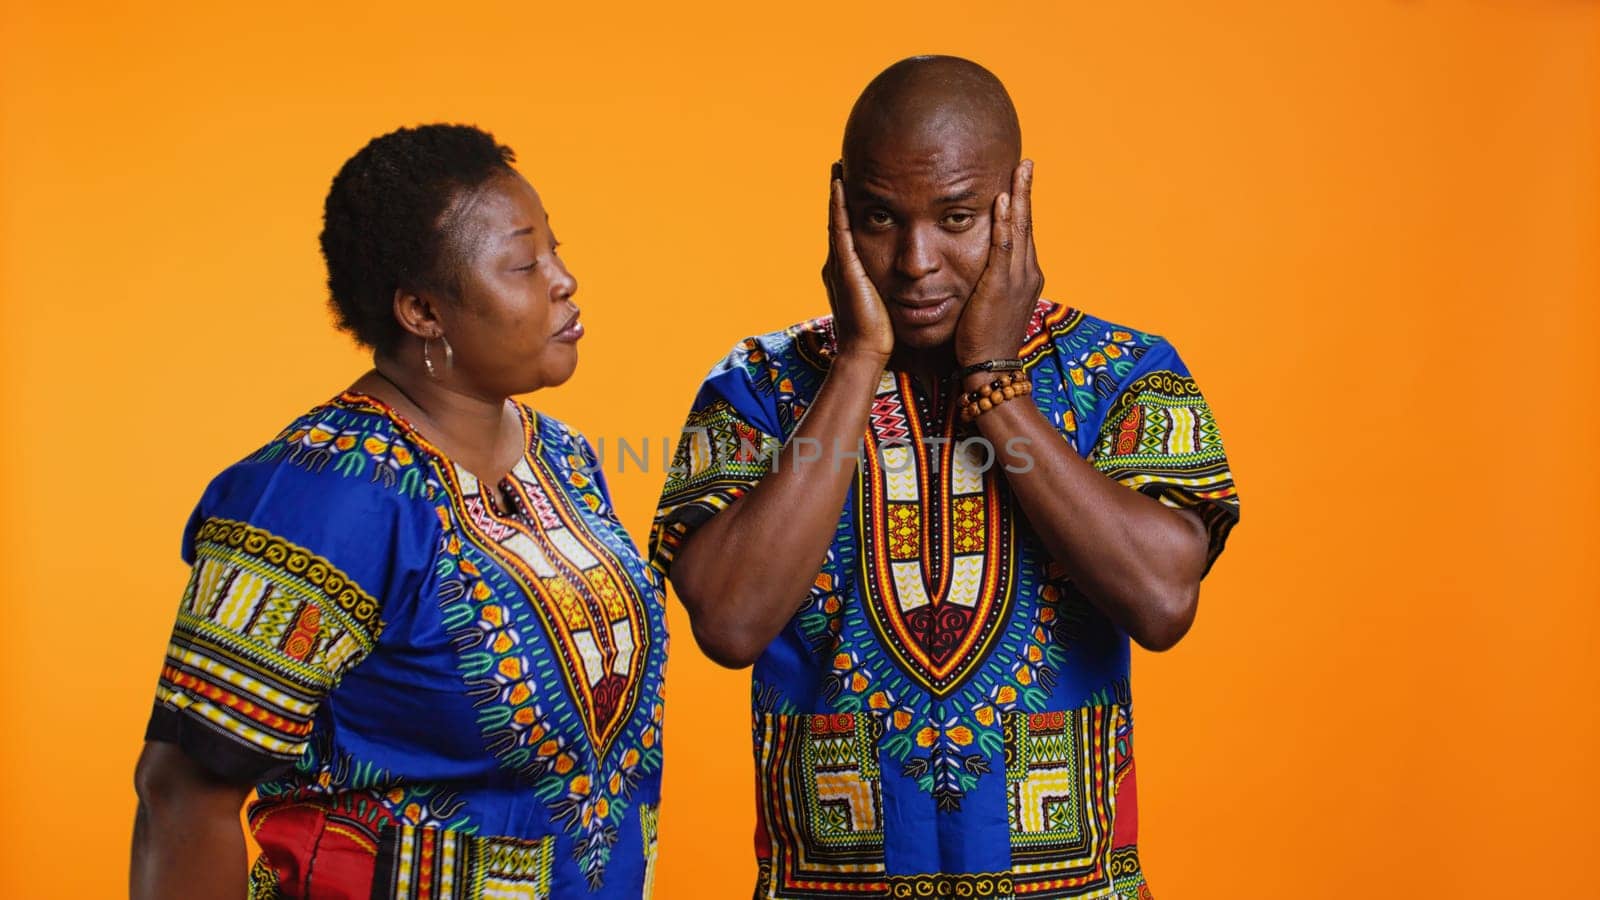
(933,97)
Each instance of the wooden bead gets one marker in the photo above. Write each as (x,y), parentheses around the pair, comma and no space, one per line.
(985,404)
(1009,391)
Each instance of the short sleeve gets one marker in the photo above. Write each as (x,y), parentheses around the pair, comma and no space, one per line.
(290,566)
(729,440)
(1159,437)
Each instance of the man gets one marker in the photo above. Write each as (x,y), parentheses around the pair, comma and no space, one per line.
(939,625)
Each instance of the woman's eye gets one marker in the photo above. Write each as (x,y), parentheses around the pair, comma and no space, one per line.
(527,268)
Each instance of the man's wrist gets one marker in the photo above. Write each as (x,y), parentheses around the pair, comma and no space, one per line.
(859,364)
(978,381)
(985,366)
(964,359)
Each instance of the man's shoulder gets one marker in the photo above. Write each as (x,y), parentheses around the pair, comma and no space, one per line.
(809,343)
(811,334)
(1081,362)
(1076,336)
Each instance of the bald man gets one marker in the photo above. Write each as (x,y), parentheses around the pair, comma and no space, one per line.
(933,520)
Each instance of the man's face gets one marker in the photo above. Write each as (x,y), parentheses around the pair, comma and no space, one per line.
(920,208)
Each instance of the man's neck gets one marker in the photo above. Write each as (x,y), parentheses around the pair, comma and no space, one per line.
(930,365)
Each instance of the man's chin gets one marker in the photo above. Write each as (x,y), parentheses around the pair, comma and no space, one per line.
(924,338)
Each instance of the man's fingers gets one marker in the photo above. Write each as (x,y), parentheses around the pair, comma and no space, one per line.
(838,216)
(846,263)
(1022,193)
(1001,235)
(1026,262)
(843,245)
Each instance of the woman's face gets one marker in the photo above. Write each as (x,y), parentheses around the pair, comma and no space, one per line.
(514,328)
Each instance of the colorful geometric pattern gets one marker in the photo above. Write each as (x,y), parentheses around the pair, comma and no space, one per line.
(649,818)
(939,608)
(719,457)
(430,864)
(974,885)
(1161,439)
(265,629)
(945,675)
(468,703)
(1061,773)
(594,616)
(821,816)
(263,881)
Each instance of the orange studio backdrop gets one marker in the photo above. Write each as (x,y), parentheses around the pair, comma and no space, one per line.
(1372,228)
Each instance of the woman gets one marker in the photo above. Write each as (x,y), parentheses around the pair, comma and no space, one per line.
(414,625)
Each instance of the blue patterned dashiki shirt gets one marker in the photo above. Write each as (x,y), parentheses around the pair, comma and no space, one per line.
(946,715)
(435,699)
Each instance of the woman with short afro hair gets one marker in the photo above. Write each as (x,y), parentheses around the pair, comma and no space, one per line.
(414,625)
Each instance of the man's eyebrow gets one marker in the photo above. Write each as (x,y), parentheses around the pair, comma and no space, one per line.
(963,197)
(868,198)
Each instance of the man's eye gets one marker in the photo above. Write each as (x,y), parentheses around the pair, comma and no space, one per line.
(527,268)
(879,219)
(960,220)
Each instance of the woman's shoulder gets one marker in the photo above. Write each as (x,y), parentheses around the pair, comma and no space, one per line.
(577,462)
(344,482)
(558,442)
(347,448)
(551,430)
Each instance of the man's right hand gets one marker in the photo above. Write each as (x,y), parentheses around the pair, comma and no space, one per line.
(861,325)
(744,572)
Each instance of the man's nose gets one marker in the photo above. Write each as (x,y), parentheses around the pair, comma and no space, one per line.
(916,256)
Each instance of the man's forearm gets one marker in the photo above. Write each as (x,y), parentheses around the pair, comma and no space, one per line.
(742,574)
(1139,561)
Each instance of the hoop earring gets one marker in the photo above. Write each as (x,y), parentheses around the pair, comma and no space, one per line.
(427,358)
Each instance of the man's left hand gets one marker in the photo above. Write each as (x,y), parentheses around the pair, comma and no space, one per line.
(996,318)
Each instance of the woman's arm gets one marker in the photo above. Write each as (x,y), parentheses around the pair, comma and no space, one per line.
(187,841)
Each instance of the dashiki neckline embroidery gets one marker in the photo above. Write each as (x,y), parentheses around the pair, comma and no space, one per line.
(937,539)
(591,627)
(589,608)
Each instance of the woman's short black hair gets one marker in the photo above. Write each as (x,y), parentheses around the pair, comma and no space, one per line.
(384,223)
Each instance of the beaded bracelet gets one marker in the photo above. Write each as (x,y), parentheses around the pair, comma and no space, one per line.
(1006,387)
